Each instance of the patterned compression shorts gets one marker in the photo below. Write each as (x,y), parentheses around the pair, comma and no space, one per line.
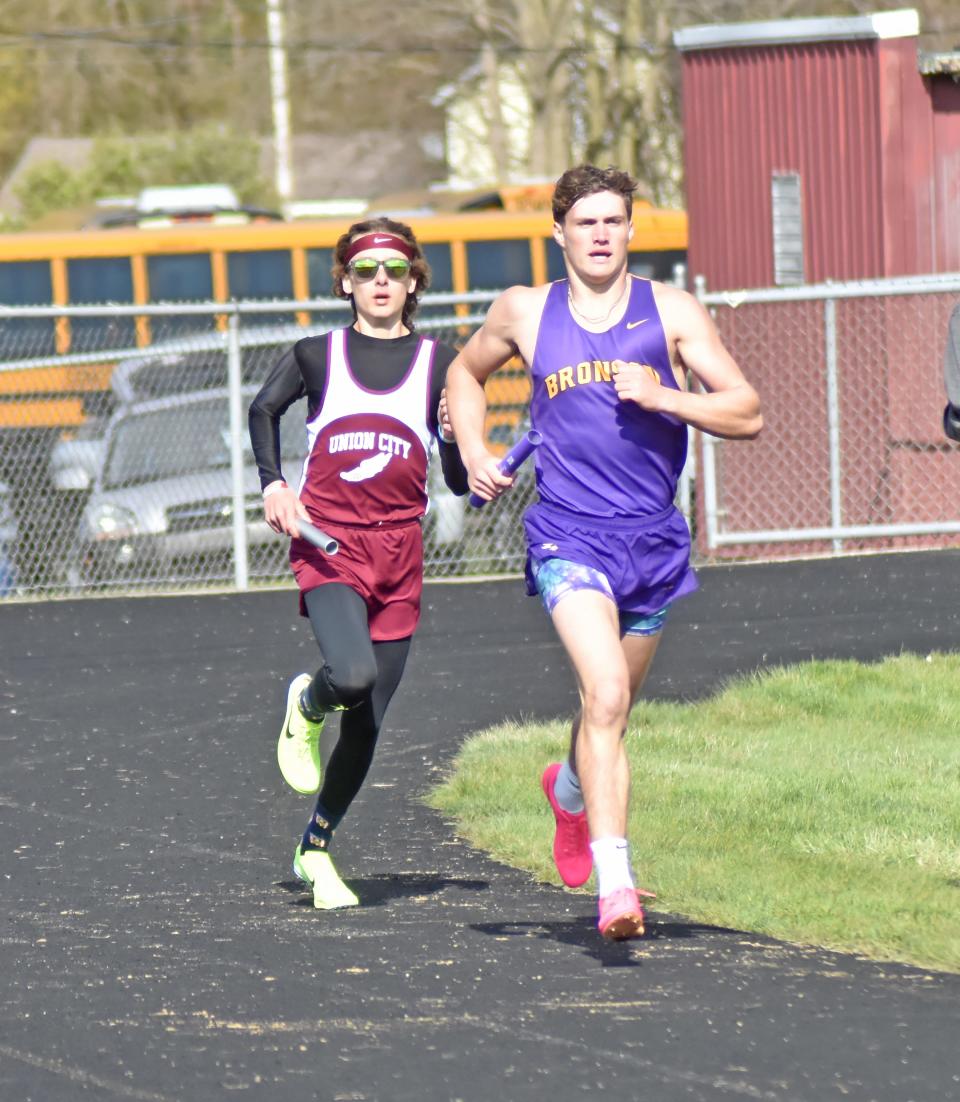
(555,578)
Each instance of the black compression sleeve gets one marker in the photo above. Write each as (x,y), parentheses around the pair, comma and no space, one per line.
(283,387)
(454,472)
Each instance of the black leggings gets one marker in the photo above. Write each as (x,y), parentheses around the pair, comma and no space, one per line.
(357,674)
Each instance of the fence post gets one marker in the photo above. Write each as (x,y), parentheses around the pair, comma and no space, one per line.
(685,488)
(709,472)
(237,429)
(833,415)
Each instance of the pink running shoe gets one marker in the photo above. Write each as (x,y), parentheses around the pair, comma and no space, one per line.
(571,840)
(621,915)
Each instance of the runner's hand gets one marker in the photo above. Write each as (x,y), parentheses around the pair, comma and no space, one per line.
(638,383)
(281,509)
(443,419)
(485,478)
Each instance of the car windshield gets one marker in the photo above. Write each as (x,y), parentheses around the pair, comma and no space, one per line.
(149,376)
(184,440)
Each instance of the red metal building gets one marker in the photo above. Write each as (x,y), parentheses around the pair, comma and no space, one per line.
(818,149)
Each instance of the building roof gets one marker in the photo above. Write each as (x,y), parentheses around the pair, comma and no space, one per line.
(904,23)
(358,165)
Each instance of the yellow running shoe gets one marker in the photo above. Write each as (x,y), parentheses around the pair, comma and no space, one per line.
(298,748)
(316,869)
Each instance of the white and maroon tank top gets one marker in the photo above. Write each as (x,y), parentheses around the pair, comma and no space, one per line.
(368,450)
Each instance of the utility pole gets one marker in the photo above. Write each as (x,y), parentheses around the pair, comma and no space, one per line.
(280,101)
(496,130)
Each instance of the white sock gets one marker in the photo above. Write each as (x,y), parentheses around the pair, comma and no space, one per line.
(611,860)
(566,789)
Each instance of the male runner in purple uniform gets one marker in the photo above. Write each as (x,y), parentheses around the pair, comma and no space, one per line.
(607,550)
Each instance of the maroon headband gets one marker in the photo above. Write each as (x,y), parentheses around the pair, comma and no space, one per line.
(379,241)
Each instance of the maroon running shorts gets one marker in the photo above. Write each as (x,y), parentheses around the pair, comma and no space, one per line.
(384,565)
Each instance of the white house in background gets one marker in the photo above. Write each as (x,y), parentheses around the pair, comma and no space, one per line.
(469,160)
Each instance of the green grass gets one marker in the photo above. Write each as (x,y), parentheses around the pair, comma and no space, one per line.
(818,803)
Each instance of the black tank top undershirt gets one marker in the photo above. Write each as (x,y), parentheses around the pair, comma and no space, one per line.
(377,364)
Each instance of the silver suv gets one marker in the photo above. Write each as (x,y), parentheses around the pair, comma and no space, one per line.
(162,503)
(190,363)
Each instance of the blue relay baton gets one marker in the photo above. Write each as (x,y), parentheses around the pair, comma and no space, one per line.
(317,537)
(520,451)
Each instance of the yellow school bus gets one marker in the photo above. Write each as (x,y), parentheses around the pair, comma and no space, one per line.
(200,261)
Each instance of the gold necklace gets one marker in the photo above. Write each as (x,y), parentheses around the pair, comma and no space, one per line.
(597,321)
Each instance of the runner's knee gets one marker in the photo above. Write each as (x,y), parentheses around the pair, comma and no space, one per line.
(606,702)
(354,681)
(346,683)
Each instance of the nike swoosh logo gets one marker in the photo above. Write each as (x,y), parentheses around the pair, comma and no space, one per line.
(634,324)
(382,240)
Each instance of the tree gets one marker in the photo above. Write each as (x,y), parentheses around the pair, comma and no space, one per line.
(596,78)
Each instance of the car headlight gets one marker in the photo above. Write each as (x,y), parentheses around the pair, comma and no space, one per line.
(110,522)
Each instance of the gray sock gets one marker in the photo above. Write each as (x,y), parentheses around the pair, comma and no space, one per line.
(567,790)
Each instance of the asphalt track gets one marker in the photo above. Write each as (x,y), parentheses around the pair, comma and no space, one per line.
(155,946)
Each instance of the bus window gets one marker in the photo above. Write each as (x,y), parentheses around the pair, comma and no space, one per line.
(96,280)
(262,274)
(100,279)
(26,283)
(319,263)
(494,265)
(320,285)
(183,278)
(186,278)
(441,271)
(556,269)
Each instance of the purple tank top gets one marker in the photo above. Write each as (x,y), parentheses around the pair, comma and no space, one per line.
(601,456)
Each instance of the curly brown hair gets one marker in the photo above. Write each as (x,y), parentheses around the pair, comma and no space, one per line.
(419,268)
(576,183)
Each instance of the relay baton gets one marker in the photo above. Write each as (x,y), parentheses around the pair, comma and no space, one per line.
(317,537)
(520,451)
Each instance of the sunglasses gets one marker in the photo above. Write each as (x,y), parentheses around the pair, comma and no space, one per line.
(366,268)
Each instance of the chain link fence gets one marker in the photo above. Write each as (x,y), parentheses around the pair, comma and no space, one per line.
(853,455)
(125,463)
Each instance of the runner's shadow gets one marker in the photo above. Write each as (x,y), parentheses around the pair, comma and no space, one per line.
(375,891)
(582,932)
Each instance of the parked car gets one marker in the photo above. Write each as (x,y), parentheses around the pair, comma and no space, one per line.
(77,456)
(181,366)
(198,361)
(162,503)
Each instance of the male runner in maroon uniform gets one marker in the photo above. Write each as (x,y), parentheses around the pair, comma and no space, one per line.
(607,550)
(375,404)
